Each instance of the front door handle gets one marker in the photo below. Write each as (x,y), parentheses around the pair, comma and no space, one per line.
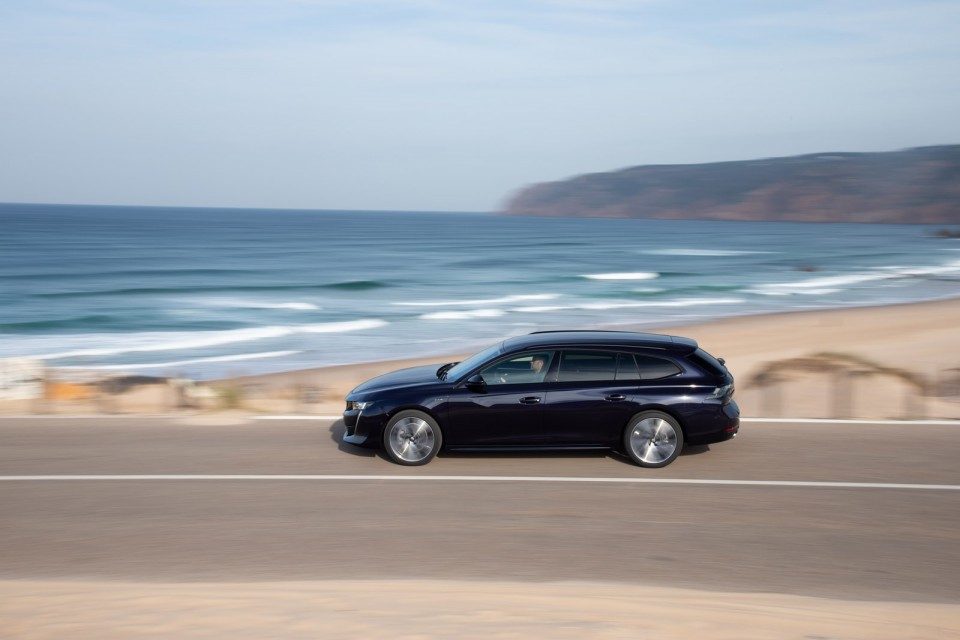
(615,397)
(530,400)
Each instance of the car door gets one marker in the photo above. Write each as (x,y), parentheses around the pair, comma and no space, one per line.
(507,411)
(588,405)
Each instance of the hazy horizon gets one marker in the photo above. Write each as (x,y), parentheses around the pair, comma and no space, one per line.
(361,210)
(424,106)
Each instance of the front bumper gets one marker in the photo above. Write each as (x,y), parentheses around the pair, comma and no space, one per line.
(363,428)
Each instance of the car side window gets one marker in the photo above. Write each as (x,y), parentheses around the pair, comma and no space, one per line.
(627,367)
(584,366)
(652,368)
(522,369)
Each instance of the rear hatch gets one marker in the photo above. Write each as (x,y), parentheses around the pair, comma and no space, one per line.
(716,368)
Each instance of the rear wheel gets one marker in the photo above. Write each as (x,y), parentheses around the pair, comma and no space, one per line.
(653,439)
(412,438)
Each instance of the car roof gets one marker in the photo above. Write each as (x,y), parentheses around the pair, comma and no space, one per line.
(600,339)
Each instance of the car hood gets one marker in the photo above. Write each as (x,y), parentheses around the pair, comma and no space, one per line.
(401,378)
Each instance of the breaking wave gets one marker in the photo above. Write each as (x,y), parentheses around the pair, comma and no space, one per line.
(832,284)
(701,253)
(182,363)
(175,341)
(463,315)
(502,300)
(637,275)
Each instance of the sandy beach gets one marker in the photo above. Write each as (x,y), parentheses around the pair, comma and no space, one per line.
(888,362)
(447,609)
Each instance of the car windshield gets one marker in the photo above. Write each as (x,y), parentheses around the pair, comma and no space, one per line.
(472,362)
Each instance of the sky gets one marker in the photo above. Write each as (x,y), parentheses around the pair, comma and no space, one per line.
(434,105)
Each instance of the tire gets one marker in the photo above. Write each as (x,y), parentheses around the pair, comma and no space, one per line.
(653,439)
(412,438)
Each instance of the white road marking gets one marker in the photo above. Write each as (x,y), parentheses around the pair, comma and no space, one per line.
(114,416)
(172,416)
(795,420)
(295,417)
(950,423)
(429,478)
(96,416)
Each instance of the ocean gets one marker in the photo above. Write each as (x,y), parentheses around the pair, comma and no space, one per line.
(207,293)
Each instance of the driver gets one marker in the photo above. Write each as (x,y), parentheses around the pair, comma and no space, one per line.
(538,362)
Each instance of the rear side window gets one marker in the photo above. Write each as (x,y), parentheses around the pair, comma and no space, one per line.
(583,366)
(708,363)
(652,368)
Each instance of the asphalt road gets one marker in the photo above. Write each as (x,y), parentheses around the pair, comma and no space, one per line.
(851,543)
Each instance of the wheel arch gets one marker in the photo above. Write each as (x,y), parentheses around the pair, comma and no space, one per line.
(662,409)
(409,407)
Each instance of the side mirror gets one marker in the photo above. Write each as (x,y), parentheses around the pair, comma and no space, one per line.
(722,361)
(476,382)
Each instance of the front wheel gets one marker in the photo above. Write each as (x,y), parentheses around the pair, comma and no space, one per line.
(653,439)
(412,438)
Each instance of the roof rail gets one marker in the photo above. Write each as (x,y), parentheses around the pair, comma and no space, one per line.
(533,333)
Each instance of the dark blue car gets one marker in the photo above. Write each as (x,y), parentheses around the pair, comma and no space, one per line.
(644,394)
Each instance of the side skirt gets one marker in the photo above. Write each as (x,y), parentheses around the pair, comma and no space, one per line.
(529,448)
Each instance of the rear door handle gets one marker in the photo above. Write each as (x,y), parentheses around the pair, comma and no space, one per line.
(615,397)
(530,400)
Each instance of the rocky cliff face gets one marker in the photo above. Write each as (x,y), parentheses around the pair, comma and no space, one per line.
(913,186)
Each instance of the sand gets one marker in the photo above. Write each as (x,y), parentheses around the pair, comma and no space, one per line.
(447,609)
(889,362)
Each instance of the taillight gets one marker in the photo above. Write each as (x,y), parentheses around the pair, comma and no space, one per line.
(723,391)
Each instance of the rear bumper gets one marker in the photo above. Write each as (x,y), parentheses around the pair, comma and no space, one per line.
(724,426)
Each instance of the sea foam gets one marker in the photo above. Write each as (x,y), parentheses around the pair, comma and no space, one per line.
(174,341)
(238,303)
(637,275)
(832,284)
(483,301)
(609,306)
(702,253)
(240,357)
(463,315)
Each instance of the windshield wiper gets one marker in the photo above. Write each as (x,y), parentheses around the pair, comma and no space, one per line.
(442,371)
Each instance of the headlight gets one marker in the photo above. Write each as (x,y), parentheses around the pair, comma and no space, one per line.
(360,406)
